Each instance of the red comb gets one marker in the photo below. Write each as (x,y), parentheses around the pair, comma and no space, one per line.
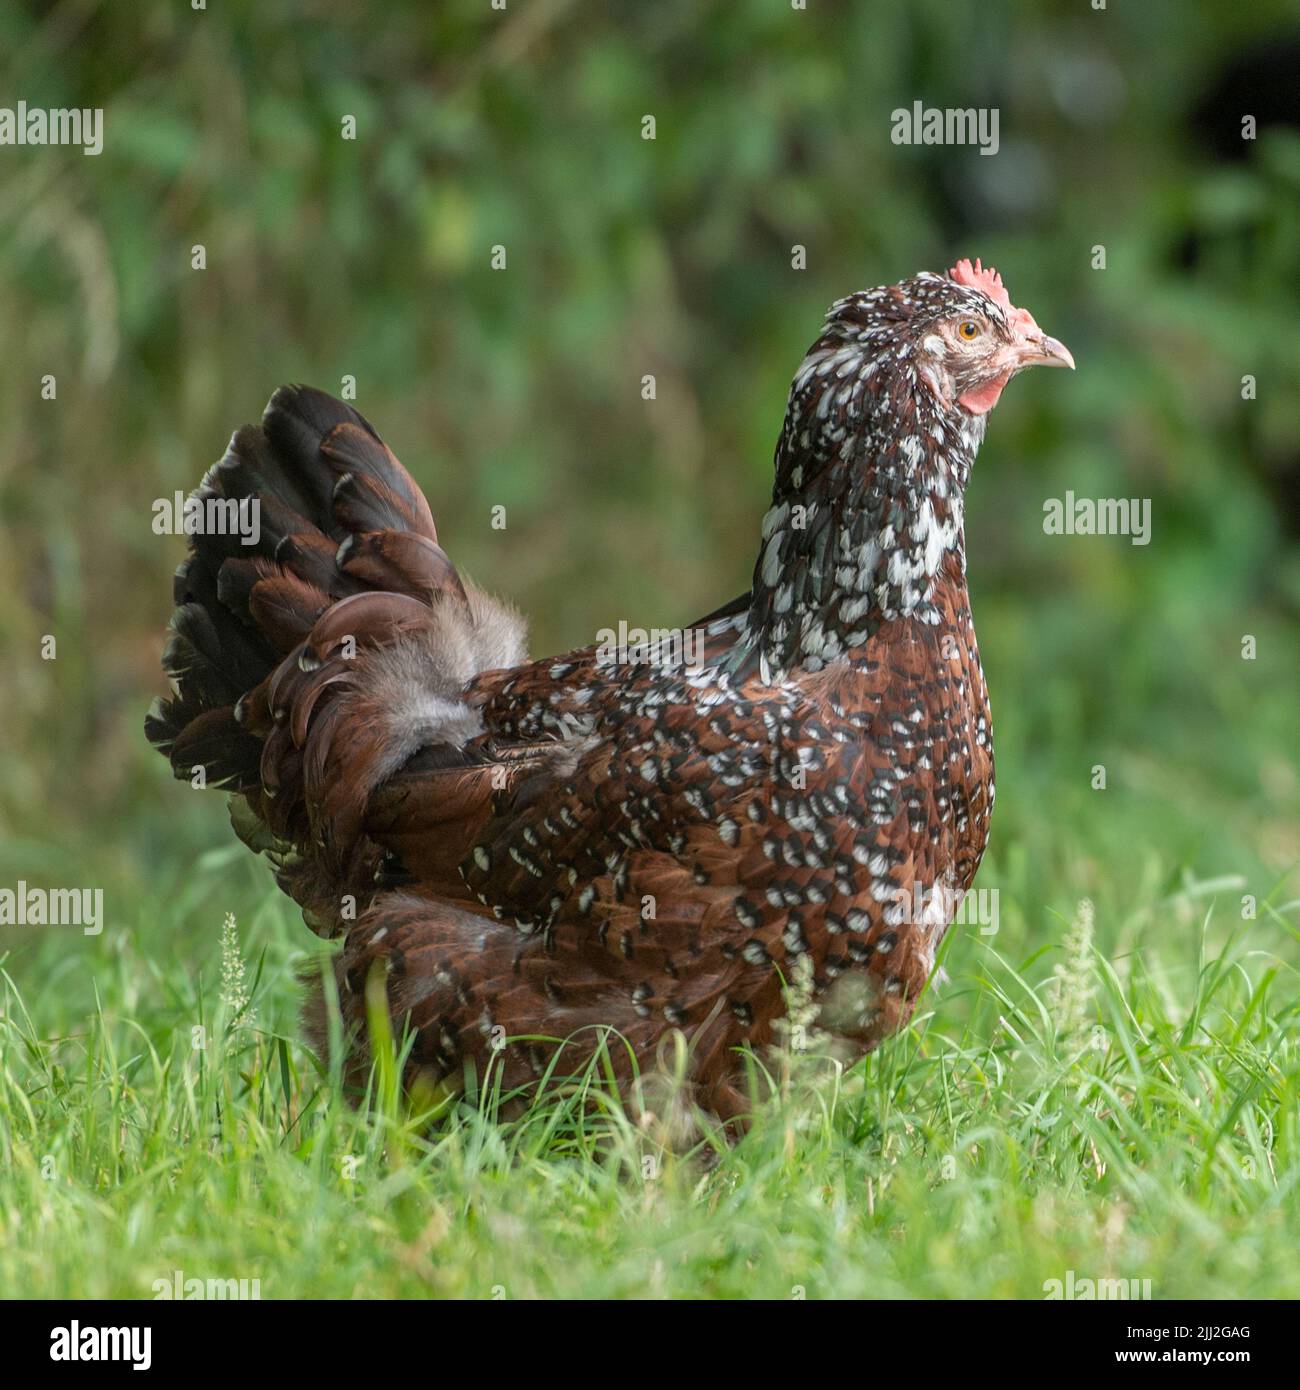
(989,282)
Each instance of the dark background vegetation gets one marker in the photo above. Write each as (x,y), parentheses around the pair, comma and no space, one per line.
(521,388)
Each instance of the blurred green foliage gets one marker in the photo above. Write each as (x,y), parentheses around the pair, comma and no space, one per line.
(522,387)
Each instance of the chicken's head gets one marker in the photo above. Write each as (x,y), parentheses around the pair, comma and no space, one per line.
(954,339)
(978,340)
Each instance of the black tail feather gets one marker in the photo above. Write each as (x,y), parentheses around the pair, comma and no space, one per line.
(319,474)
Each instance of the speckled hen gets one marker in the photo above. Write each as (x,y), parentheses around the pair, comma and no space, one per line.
(526,851)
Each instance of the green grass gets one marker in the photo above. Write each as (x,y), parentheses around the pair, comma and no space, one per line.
(1136,1121)
(1132,1117)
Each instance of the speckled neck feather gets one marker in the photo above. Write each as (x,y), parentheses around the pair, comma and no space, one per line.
(871,468)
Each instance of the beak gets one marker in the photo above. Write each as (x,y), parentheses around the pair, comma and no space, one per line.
(1038,350)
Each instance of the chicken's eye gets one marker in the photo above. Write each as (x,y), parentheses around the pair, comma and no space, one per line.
(969,330)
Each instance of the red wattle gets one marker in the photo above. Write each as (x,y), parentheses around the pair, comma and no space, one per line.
(979,400)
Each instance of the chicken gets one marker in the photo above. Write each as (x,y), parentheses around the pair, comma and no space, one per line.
(527,851)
